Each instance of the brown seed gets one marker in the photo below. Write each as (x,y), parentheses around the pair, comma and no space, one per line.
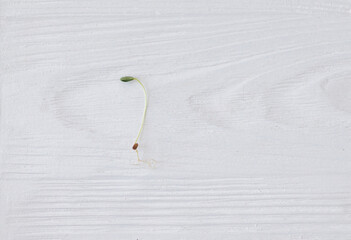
(135,146)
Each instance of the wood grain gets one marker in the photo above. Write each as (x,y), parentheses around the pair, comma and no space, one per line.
(249,120)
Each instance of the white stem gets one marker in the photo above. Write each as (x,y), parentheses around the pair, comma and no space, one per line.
(145,108)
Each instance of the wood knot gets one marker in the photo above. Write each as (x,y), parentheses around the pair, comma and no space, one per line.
(135,146)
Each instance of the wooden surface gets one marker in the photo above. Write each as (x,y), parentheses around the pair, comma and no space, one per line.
(249,120)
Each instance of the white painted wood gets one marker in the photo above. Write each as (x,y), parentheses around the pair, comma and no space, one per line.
(249,120)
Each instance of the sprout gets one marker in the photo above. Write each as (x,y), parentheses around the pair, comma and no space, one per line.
(128,79)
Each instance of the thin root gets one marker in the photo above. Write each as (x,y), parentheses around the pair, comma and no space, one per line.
(151,163)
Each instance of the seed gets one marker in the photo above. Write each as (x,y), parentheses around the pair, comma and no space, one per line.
(135,146)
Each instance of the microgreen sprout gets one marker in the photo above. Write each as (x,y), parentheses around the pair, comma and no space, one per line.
(136,144)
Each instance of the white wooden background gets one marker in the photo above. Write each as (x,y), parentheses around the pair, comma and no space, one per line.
(249,120)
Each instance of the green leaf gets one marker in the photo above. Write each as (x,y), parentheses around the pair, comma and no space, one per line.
(127,79)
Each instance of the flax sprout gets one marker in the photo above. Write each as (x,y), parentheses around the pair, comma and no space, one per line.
(136,144)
